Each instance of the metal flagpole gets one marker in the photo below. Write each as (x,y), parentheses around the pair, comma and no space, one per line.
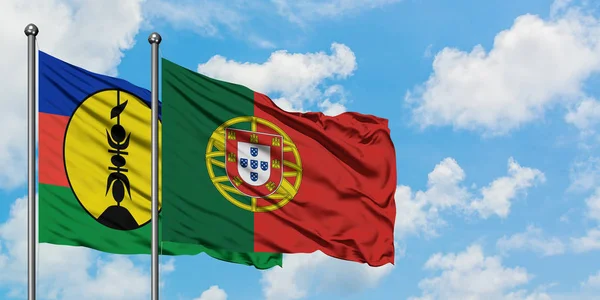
(154,40)
(31,32)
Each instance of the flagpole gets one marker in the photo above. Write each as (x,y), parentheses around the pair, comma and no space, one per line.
(31,32)
(154,40)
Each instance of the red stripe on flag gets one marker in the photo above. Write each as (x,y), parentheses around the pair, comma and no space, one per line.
(345,204)
(51,162)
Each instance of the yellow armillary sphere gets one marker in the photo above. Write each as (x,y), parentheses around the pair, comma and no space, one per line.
(253,164)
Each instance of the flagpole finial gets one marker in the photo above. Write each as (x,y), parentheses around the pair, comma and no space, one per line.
(154,38)
(31,29)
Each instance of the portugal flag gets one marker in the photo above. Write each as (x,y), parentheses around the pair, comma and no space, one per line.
(239,173)
(94,166)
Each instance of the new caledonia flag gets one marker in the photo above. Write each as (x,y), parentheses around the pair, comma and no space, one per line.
(242,174)
(94,166)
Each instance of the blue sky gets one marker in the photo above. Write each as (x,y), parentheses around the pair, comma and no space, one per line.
(493,111)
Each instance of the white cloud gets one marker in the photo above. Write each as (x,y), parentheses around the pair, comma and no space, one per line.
(307,273)
(419,211)
(532,66)
(427,53)
(585,116)
(298,78)
(498,195)
(287,105)
(589,242)
(331,109)
(532,239)
(524,295)
(68,272)
(588,291)
(203,17)
(472,275)
(333,104)
(213,293)
(559,6)
(261,42)
(167,267)
(585,174)
(593,205)
(126,281)
(593,282)
(66,27)
(301,11)
(210,17)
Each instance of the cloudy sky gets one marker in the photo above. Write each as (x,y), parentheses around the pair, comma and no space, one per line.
(493,108)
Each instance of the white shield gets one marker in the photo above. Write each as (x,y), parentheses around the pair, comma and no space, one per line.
(254,163)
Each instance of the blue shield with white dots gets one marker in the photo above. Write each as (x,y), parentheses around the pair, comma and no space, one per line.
(244,162)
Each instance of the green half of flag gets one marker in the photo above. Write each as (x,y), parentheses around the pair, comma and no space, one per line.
(194,107)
